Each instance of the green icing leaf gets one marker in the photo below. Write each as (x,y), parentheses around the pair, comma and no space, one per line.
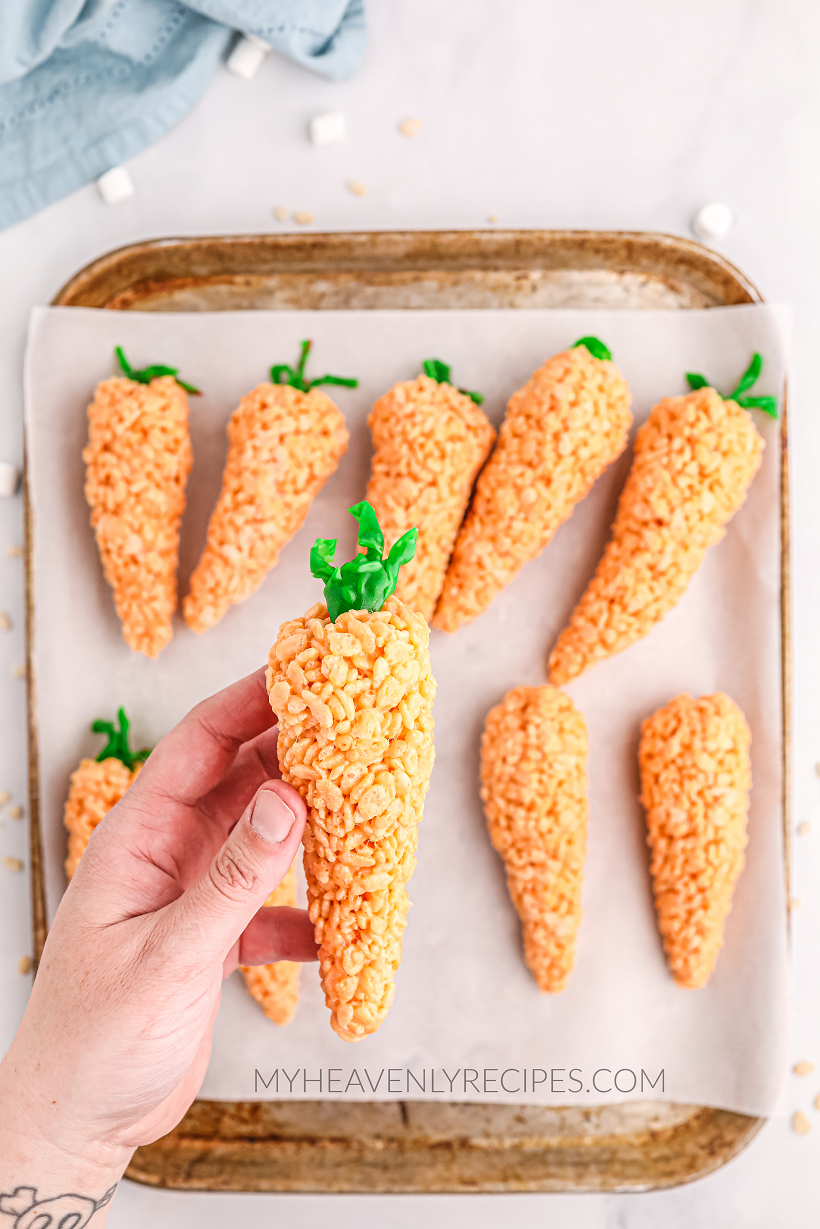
(366,581)
(147,374)
(767,404)
(595,346)
(282,373)
(117,747)
(750,377)
(440,372)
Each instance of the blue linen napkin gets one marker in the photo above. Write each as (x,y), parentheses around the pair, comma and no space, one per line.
(86,84)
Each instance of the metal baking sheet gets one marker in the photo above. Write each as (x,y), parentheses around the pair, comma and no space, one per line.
(412,1146)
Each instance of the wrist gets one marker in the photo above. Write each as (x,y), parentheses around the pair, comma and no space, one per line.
(42,1145)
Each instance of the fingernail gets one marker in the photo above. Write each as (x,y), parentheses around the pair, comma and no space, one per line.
(271,817)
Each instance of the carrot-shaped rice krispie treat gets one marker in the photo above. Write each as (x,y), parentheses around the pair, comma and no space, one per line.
(285,440)
(694,460)
(534,789)
(351,685)
(97,785)
(695,782)
(137,459)
(276,986)
(561,430)
(430,439)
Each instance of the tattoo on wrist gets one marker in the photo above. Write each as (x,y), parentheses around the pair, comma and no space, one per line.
(59,1212)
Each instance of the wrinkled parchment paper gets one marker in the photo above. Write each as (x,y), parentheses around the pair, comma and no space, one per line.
(465,1000)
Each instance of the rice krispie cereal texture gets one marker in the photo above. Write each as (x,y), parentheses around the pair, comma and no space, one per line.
(429,443)
(137,459)
(695,458)
(534,788)
(695,781)
(354,701)
(561,430)
(276,986)
(96,786)
(283,446)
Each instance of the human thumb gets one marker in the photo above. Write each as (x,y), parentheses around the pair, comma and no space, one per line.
(253,861)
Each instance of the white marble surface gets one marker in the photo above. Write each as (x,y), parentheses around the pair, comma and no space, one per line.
(594,114)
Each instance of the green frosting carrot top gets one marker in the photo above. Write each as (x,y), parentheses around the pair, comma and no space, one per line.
(366,581)
(436,370)
(117,747)
(767,404)
(595,346)
(281,373)
(147,374)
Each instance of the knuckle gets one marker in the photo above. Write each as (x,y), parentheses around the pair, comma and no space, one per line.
(233,874)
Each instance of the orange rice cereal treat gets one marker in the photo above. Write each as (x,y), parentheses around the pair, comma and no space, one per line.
(97,785)
(562,429)
(276,986)
(694,460)
(352,688)
(285,440)
(534,789)
(430,439)
(695,782)
(137,462)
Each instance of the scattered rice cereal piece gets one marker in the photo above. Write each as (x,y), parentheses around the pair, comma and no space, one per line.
(13,864)
(4,797)
(804,1068)
(804,829)
(281,213)
(5,622)
(304,217)
(800,1123)
(409,127)
(25,964)
(358,189)
(15,812)
(14,552)
(19,671)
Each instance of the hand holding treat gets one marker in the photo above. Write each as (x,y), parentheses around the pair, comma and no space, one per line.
(285,440)
(561,431)
(695,782)
(534,789)
(694,460)
(97,785)
(351,684)
(137,461)
(166,901)
(430,439)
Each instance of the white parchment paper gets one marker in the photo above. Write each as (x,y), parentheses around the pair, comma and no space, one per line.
(465,1001)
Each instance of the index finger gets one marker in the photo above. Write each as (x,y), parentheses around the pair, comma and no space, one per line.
(194,757)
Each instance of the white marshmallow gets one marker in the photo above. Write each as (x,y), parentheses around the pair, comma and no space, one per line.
(115,185)
(246,56)
(327,129)
(9,477)
(713,221)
